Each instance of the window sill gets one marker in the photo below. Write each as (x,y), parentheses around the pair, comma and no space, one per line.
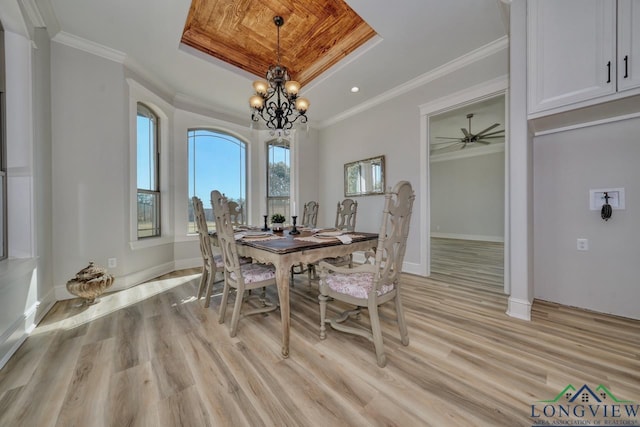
(150,242)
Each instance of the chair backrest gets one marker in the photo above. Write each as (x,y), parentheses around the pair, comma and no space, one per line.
(203,229)
(346,215)
(310,214)
(225,235)
(392,240)
(236,213)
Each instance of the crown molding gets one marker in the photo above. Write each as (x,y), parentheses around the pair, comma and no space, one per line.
(33,13)
(462,154)
(451,66)
(90,47)
(473,94)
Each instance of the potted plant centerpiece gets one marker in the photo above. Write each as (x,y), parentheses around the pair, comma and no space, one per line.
(277,222)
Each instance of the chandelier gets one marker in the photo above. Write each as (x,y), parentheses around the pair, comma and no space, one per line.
(276,100)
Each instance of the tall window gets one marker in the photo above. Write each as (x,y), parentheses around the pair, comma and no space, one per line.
(148,173)
(3,156)
(217,161)
(278,177)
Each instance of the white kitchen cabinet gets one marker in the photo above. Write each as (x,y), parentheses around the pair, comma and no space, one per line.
(571,51)
(581,52)
(628,44)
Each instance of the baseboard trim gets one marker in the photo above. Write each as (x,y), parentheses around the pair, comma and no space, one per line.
(20,329)
(182,264)
(44,305)
(479,237)
(518,308)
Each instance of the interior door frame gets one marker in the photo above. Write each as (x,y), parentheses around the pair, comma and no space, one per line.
(490,89)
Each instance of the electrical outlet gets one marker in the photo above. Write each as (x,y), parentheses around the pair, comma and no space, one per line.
(583,244)
(112,262)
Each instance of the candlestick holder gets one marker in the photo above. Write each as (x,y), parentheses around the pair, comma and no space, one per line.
(265,228)
(294,230)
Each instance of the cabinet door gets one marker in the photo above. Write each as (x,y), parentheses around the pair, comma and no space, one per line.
(628,44)
(571,51)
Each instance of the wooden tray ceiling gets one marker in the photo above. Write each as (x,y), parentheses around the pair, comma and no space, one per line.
(316,34)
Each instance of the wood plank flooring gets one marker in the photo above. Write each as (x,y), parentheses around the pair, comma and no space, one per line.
(468,261)
(153,356)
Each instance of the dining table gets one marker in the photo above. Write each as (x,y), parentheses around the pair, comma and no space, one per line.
(284,249)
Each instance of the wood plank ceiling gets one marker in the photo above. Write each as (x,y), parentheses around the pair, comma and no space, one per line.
(316,34)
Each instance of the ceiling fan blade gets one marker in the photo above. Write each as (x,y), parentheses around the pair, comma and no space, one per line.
(492,133)
(446,147)
(445,137)
(488,129)
(446,142)
(466,132)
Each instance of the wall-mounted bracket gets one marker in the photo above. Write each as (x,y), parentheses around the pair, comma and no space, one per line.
(597,199)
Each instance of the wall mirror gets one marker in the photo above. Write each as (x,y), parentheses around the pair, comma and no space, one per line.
(364,177)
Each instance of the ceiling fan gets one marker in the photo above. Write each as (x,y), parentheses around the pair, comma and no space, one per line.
(482,137)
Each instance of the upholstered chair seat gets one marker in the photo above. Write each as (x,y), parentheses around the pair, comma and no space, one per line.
(357,285)
(256,273)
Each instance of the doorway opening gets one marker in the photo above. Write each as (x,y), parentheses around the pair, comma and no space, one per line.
(466,205)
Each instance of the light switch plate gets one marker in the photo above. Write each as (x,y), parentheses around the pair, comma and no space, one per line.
(616,198)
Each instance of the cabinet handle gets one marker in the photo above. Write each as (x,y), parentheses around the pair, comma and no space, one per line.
(609,72)
(626,66)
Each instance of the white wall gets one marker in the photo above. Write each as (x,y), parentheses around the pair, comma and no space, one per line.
(393,129)
(567,165)
(89,109)
(26,291)
(467,198)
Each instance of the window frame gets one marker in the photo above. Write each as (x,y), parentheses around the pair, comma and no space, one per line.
(4,227)
(156,191)
(283,202)
(229,137)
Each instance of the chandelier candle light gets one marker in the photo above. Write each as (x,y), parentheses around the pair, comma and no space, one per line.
(276,100)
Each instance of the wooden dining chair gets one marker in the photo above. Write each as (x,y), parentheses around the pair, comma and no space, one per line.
(310,220)
(345,221)
(241,277)
(237,213)
(346,215)
(211,262)
(310,214)
(371,284)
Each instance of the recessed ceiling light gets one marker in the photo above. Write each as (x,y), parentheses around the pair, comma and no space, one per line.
(355,89)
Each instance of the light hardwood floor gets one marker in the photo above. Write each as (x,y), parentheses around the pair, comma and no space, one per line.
(153,356)
(468,261)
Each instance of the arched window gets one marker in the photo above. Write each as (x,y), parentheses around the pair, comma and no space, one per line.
(148,160)
(217,161)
